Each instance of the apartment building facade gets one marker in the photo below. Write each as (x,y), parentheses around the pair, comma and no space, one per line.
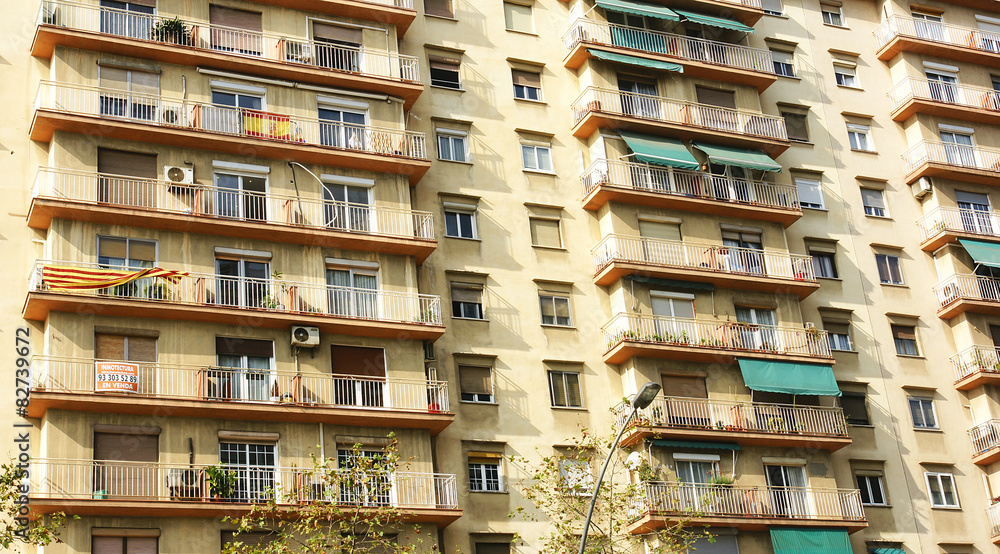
(480,226)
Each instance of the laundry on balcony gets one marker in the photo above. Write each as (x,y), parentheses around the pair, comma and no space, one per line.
(82,278)
(271,126)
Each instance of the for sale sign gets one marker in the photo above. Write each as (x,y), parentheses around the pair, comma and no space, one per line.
(117,377)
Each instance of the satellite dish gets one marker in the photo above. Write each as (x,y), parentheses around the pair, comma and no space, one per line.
(633,461)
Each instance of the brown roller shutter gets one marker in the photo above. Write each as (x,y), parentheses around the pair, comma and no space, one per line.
(545,232)
(141,545)
(129,192)
(904,332)
(126,447)
(108,545)
(438,7)
(119,162)
(526,78)
(359,361)
(147,3)
(337,32)
(109,347)
(475,380)
(240,19)
(684,386)
(114,78)
(243,347)
(120,480)
(141,349)
(715,97)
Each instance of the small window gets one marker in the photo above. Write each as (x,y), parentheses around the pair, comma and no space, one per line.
(824,264)
(125,252)
(537,157)
(772,7)
(476,383)
(890,270)
(810,193)
(783,63)
(576,477)
(941,487)
(453,146)
(832,14)
(125,545)
(440,8)
(460,221)
(564,387)
(555,310)
(493,548)
(517,17)
(847,76)
(485,472)
(855,405)
(839,335)
(545,232)
(905,339)
(872,490)
(445,72)
(923,413)
(795,125)
(467,301)
(874,202)
(527,85)
(860,137)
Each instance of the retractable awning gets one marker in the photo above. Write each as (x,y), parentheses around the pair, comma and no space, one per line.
(797,541)
(749,159)
(634,7)
(696,444)
(636,60)
(719,22)
(885,550)
(789,377)
(986,253)
(660,151)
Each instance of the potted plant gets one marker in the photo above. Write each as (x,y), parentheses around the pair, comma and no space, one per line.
(157,291)
(171,30)
(271,302)
(647,472)
(721,480)
(221,482)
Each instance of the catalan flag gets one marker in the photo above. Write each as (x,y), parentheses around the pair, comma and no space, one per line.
(57,277)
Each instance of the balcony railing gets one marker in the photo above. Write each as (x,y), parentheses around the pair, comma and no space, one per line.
(949,93)
(936,31)
(679,182)
(719,335)
(692,114)
(668,44)
(231,41)
(260,295)
(704,257)
(985,436)
(238,205)
(161,111)
(969,287)
(956,220)
(958,155)
(976,359)
(732,416)
(252,386)
(993,514)
(101,480)
(741,501)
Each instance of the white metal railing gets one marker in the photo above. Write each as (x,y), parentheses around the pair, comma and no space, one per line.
(948,93)
(976,359)
(658,108)
(701,256)
(944,219)
(968,287)
(272,295)
(158,380)
(156,110)
(217,202)
(229,40)
(139,481)
(742,501)
(668,44)
(729,415)
(993,514)
(985,436)
(724,335)
(936,31)
(408,4)
(679,182)
(960,155)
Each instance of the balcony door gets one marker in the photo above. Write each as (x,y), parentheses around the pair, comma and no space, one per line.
(347,208)
(365,480)
(126,178)
(683,396)
(245,372)
(337,47)
(342,129)
(241,196)
(237,31)
(989,36)
(353,292)
(253,465)
(786,490)
(123,465)
(757,331)
(243,283)
(928,26)
(977,216)
(358,376)
(745,253)
(654,250)
(130,254)
(133,19)
(676,311)
(943,86)
(959,148)
(732,183)
(630,31)
(696,478)
(128,93)
(715,109)
(639,97)
(227,115)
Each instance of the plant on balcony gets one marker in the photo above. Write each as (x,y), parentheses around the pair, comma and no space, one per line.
(157,291)
(271,302)
(721,480)
(222,482)
(171,30)
(21,525)
(775,423)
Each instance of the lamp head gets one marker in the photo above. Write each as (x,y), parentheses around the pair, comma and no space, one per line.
(646,395)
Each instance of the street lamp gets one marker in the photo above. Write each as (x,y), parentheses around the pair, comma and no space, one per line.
(643,399)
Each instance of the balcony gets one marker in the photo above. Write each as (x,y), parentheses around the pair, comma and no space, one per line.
(913,95)
(746,423)
(976,366)
(614,109)
(207,209)
(127,33)
(676,338)
(985,439)
(971,164)
(723,266)
(943,225)
(692,191)
(196,125)
(242,394)
(139,489)
(705,59)
(392,12)
(903,34)
(225,299)
(967,293)
(747,508)
(993,514)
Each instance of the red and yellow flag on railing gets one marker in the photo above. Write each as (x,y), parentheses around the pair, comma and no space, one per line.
(84,278)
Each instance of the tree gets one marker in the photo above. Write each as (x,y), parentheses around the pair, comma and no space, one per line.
(346,509)
(559,487)
(19,524)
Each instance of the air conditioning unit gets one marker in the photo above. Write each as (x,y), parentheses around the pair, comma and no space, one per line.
(949,292)
(922,187)
(171,116)
(305,336)
(179,175)
(182,478)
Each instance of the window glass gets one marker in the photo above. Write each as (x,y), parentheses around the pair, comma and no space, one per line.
(941,488)
(839,335)
(565,389)
(824,264)
(874,202)
(783,63)
(253,467)
(846,76)
(889,269)
(870,485)
(810,193)
(460,222)
(485,472)
(452,146)
(555,310)
(905,339)
(832,14)
(772,7)
(859,137)
(527,85)
(855,407)
(467,300)
(795,125)
(445,72)
(537,158)
(922,412)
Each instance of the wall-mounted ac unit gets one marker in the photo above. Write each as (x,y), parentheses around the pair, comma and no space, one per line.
(171,116)
(179,175)
(922,187)
(949,292)
(305,336)
(182,478)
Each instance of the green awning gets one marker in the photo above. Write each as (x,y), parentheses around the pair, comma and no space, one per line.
(720,22)
(696,444)
(799,540)
(660,151)
(635,60)
(789,377)
(750,159)
(885,550)
(673,283)
(639,8)
(986,253)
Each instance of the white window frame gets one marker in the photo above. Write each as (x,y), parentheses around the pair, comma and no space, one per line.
(825,9)
(533,148)
(874,209)
(839,344)
(940,477)
(861,131)
(453,136)
(808,182)
(461,209)
(468,286)
(552,297)
(787,67)
(480,468)
(128,245)
(476,399)
(576,476)
(924,402)
(552,390)
(889,260)
(848,71)
(868,477)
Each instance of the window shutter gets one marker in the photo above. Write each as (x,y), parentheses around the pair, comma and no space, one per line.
(109,347)
(145,83)
(903,332)
(517,16)
(545,232)
(141,545)
(243,347)
(492,458)
(126,447)
(108,545)
(143,250)
(659,230)
(684,386)
(492,548)
(445,64)
(873,198)
(461,292)
(119,162)
(475,380)
(772,6)
(239,19)
(438,7)
(573,389)
(715,97)
(141,349)
(795,124)
(558,388)
(854,408)
(114,78)
(338,33)
(358,361)
(526,78)
(837,328)
(146,3)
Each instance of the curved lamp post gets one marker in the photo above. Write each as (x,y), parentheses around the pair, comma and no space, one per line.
(641,400)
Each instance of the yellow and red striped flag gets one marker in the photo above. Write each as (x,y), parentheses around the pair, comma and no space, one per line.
(90,278)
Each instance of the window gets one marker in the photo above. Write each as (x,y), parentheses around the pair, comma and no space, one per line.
(517,17)
(536,157)
(860,137)
(855,405)
(130,94)
(839,335)
(445,72)
(476,383)
(358,375)
(112,189)
(373,491)
(253,466)
(874,202)
(846,75)
(832,14)
(810,193)
(241,196)
(576,476)
(870,485)
(121,252)
(783,63)
(347,207)
(342,128)
(228,109)
(467,300)
(923,413)
(124,545)
(555,310)
(244,370)
(824,264)
(453,146)
(126,348)
(493,548)
(889,269)
(772,7)
(460,220)
(336,47)
(485,472)
(564,388)
(527,85)
(440,8)
(941,487)
(129,19)
(795,125)
(352,290)
(243,282)
(905,339)
(246,39)
(544,225)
